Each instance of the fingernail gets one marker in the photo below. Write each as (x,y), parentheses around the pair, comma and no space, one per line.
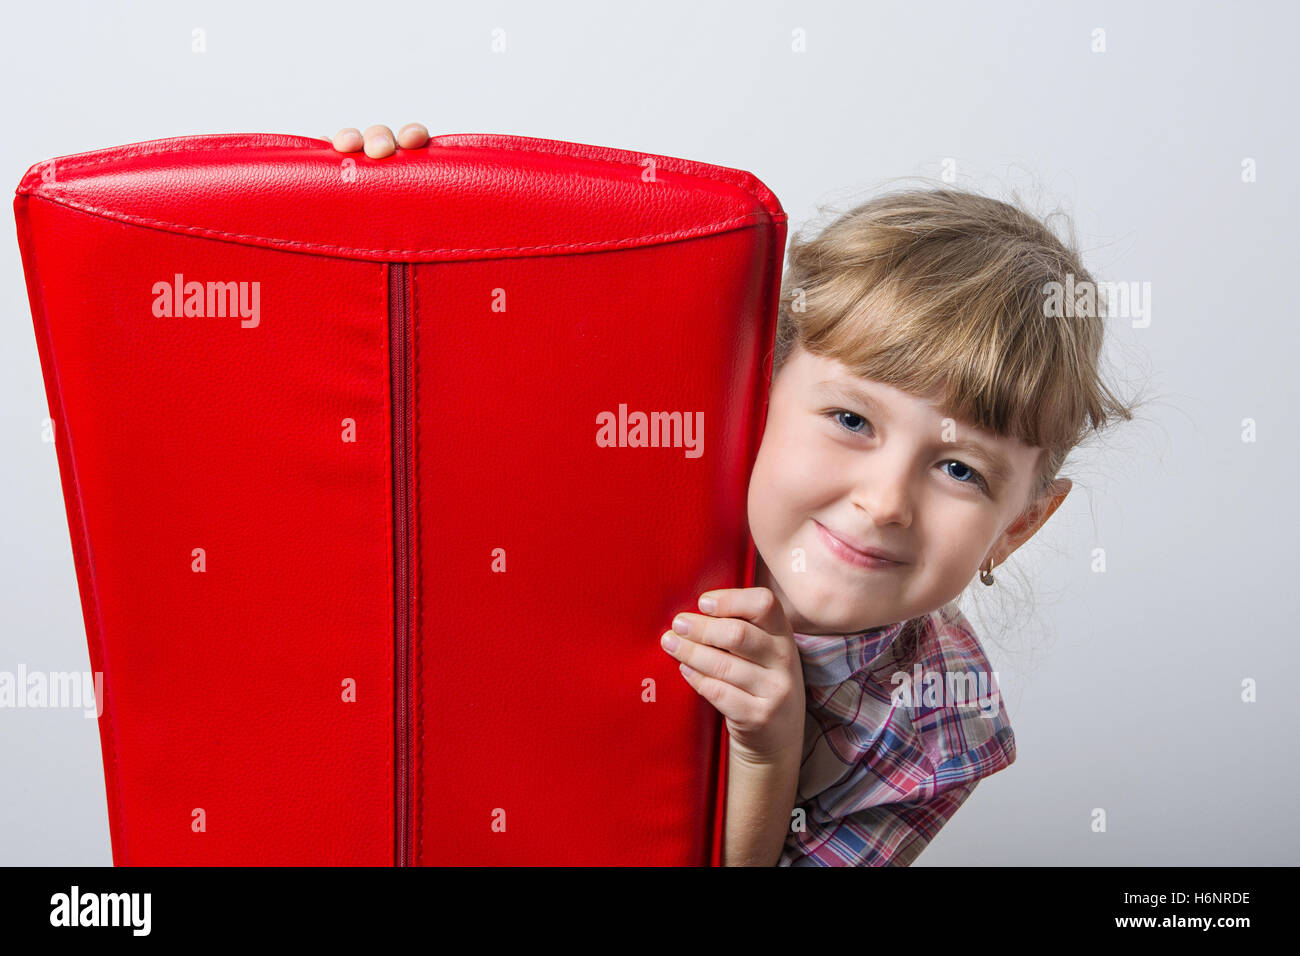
(669,641)
(681,625)
(708,604)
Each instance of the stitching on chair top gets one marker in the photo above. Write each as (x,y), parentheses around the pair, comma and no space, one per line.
(31,184)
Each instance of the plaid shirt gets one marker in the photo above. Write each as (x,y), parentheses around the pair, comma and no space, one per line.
(888,761)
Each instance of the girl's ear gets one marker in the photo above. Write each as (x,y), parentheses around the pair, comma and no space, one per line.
(1027,523)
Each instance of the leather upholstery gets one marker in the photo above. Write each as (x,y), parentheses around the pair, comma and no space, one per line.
(342,527)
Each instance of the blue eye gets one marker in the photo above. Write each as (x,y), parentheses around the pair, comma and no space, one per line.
(838,415)
(979,479)
(839,411)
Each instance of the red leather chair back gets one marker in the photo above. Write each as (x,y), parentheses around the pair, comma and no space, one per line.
(373,544)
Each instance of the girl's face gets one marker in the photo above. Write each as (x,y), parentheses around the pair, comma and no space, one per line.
(880,469)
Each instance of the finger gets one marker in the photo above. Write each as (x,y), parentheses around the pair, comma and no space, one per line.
(348,140)
(729,634)
(720,665)
(727,700)
(412,136)
(379,142)
(738,635)
(758,606)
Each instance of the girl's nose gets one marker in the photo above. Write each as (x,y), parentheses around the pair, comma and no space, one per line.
(886,497)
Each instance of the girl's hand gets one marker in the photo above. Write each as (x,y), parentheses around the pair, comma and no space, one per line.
(379,141)
(742,658)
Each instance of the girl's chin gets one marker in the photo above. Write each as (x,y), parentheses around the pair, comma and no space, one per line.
(830,613)
(816,619)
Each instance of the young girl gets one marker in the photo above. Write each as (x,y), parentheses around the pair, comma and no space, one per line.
(923,400)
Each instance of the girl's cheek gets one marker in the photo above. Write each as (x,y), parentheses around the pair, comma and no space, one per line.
(764,512)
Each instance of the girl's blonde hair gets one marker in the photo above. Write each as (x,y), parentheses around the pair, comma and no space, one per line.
(943,292)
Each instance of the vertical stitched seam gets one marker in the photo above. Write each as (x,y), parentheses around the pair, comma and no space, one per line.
(386,340)
(417,553)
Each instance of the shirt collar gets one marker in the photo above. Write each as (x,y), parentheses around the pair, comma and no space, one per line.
(831,659)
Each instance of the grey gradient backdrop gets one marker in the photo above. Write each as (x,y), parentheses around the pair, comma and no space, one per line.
(1124,687)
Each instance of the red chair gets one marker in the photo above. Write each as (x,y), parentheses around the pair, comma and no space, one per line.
(383,478)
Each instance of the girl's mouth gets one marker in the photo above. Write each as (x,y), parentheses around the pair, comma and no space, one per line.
(852,556)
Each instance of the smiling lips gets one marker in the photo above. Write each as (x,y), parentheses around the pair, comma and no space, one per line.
(858,557)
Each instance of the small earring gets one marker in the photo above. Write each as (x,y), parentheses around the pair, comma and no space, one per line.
(987,576)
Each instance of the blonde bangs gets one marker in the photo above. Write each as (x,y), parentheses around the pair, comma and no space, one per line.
(941,294)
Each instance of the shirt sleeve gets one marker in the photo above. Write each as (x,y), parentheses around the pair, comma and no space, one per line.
(892,834)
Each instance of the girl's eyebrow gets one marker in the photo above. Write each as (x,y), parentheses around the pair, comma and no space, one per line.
(997,466)
(994,463)
(848,391)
